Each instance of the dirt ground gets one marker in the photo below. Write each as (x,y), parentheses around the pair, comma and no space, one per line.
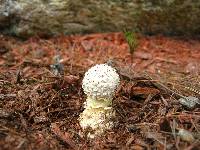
(41,95)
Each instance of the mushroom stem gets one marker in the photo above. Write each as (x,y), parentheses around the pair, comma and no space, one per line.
(97,103)
(97,118)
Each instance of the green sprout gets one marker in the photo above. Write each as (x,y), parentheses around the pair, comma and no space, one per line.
(131,39)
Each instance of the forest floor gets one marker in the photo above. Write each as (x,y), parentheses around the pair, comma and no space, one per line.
(41,95)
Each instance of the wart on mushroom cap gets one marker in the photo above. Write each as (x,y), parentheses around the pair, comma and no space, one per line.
(99,84)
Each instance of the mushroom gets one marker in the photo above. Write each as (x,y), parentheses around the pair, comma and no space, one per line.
(99,84)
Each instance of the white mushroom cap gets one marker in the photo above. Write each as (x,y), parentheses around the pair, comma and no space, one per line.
(100,81)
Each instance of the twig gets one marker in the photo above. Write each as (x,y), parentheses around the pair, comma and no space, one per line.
(162,85)
(64,136)
(2,96)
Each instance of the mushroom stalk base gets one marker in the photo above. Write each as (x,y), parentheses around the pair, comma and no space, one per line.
(97,119)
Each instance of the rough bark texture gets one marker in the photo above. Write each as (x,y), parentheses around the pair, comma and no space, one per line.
(25,18)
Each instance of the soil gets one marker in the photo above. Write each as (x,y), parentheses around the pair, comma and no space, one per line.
(41,95)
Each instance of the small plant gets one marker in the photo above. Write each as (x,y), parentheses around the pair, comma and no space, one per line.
(131,39)
(99,83)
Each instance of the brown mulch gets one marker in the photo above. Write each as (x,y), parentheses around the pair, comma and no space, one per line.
(39,110)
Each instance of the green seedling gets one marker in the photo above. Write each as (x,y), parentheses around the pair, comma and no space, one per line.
(132,41)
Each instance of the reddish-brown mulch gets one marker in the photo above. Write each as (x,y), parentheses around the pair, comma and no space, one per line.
(39,110)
